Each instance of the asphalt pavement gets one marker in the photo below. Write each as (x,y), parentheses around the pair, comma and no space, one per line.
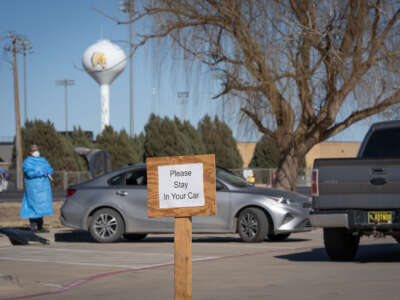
(73,266)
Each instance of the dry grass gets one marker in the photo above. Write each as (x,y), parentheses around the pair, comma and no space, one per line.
(9,216)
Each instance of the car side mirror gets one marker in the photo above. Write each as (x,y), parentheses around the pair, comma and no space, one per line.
(219,186)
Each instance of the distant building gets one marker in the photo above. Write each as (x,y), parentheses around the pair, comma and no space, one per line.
(322,150)
(331,150)
(5,154)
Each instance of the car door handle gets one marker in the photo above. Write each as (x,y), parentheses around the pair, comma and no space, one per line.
(378,181)
(122,193)
(378,171)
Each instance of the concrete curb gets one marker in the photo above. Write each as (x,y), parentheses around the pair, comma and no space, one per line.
(4,241)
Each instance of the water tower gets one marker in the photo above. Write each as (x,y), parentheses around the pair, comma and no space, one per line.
(104,61)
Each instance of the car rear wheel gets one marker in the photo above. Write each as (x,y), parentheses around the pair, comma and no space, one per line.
(278,237)
(252,225)
(106,226)
(396,236)
(135,236)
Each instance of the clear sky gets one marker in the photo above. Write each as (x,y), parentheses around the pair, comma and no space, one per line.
(60,32)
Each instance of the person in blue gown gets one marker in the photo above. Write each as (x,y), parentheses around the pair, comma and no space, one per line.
(37,202)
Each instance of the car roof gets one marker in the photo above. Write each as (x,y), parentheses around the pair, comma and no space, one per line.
(103,179)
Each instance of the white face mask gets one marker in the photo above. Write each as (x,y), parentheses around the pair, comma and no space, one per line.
(36,154)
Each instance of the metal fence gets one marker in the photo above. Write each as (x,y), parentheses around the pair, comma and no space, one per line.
(267,176)
(62,179)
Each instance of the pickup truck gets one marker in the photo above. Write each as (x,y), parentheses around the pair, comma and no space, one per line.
(355,197)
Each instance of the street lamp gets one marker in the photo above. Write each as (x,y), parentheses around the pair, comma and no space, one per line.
(183,98)
(128,7)
(65,83)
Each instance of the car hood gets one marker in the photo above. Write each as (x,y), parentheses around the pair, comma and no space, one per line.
(293,196)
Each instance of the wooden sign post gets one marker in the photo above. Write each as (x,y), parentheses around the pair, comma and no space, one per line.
(183,257)
(181,187)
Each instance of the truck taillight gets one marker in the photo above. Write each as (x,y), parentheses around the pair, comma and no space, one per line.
(69,192)
(314,183)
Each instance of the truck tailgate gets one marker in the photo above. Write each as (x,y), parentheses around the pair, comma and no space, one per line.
(357,183)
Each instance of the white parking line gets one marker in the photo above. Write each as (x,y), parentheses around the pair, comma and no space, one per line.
(258,246)
(79,263)
(107,259)
(92,251)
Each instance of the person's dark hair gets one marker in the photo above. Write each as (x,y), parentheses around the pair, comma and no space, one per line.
(33,148)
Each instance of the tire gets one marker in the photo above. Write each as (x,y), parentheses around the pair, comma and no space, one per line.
(135,236)
(340,244)
(278,237)
(396,237)
(252,225)
(106,226)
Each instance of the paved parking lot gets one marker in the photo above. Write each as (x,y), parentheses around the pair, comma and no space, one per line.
(74,267)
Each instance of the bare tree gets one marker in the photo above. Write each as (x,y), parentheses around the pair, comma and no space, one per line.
(303,70)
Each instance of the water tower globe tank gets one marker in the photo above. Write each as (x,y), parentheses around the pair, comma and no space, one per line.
(104,61)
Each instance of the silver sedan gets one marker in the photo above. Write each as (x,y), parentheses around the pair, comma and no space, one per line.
(115,205)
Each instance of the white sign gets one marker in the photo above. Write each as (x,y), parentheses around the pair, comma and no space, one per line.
(248,173)
(181,185)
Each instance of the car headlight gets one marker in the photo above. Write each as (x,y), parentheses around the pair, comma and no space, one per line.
(288,202)
(282,200)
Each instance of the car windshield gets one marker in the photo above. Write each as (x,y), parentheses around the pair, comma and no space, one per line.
(232,179)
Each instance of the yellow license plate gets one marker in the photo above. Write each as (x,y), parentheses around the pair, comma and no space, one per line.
(379,217)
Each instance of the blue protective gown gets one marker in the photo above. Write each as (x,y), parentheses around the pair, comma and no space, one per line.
(37,201)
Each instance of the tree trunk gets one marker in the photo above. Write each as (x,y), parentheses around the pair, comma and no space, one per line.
(286,174)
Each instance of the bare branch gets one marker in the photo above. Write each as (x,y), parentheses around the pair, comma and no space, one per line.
(258,123)
(295,66)
(362,114)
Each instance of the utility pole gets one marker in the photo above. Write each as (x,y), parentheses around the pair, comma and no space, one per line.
(128,6)
(65,83)
(15,48)
(26,49)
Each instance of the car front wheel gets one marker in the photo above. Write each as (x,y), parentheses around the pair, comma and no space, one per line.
(106,226)
(252,225)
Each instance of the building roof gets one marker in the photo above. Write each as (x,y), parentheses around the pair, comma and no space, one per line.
(6,151)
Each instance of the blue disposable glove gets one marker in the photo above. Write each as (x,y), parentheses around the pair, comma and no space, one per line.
(45,174)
